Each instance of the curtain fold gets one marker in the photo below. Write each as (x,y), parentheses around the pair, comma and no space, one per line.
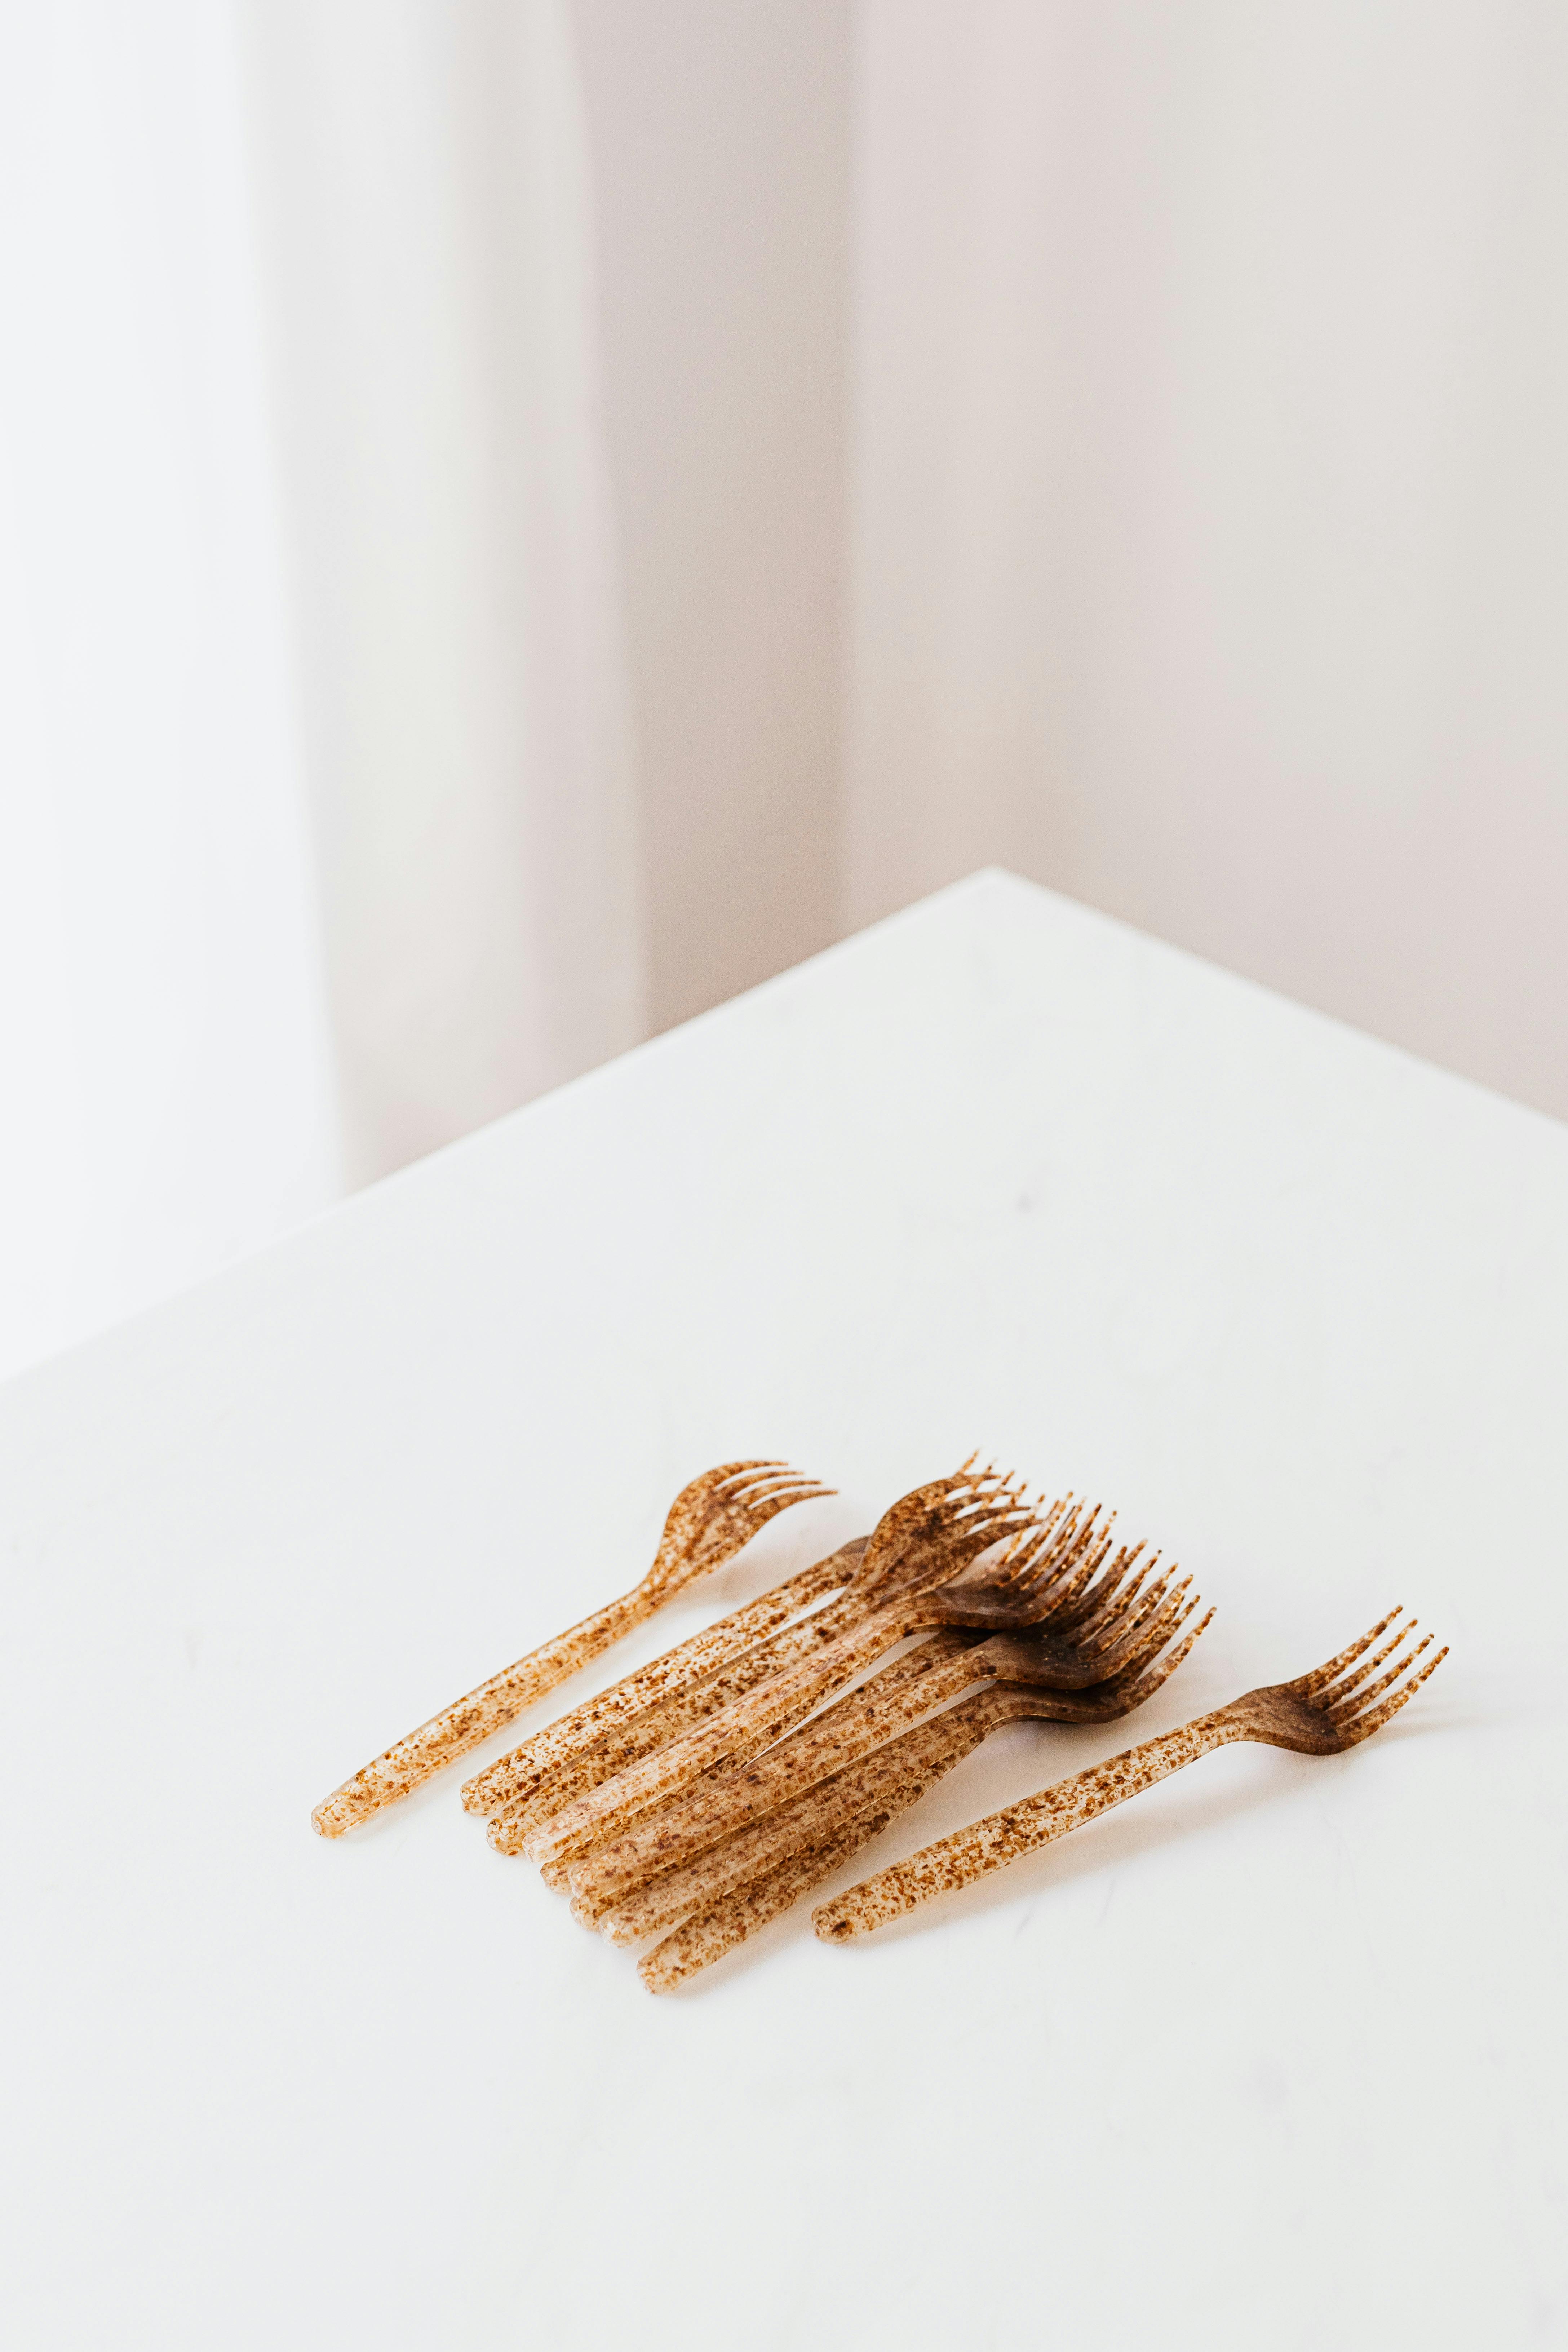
(426,196)
(316,830)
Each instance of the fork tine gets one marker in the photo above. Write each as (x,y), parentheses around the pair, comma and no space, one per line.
(1151,1639)
(1321,1676)
(1127,1611)
(754,1510)
(1113,1585)
(1078,1555)
(1122,1567)
(759,1479)
(797,1489)
(1341,1690)
(1347,1710)
(1362,1727)
(1141,1680)
(1083,1607)
(1017,1570)
(1121,1633)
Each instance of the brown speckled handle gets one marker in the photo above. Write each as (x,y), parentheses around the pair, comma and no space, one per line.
(728,1800)
(913,1763)
(731,1732)
(990,1844)
(515,1777)
(511,1830)
(706,1937)
(469,1720)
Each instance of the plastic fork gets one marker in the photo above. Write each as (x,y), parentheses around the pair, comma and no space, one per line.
(917,1531)
(1321,1713)
(612,1721)
(914,1546)
(707,1523)
(732,1889)
(1106,1631)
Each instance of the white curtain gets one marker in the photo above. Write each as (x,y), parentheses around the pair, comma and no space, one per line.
(426,198)
(315,819)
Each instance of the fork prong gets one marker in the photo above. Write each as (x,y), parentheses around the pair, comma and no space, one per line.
(1362,1727)
(1019,1570)
(1139,1680)
(1347,1710)
(1083,1607)
(1078,1556)
(1341,1690)
(1113,1585)
(1321,1676)
(1130,1610)
(1157,1598)
(762,1481)
(1151,1638)
(1122,1635)
(1091,1610)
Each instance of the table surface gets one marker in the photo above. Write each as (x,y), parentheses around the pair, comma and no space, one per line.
(1275,2054)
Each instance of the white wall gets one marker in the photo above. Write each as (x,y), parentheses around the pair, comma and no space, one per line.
(1210,489)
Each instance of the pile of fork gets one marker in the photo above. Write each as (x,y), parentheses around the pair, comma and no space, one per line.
(704,1794)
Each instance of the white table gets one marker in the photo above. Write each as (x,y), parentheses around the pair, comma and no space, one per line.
(1273,2056)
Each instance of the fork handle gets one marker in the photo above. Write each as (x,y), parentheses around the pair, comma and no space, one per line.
(733,1796)
(1000,1838)
(469,1720)
(706,1937)
(616,1804)
(912,1762)
(747,1634)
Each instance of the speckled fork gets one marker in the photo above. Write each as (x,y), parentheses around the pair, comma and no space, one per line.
(708,1521)
(933,1532)
(925,1538)
(770,1804)
(1321,1713)
(1110,1627)
(612,1720)
(735,1888)
(1019,1593)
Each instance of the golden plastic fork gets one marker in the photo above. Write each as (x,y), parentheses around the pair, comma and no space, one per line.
(731,1890)
(921,1531)
(1321,1713)
(1107,1630)
(613,1721)
(707,1523)
(965,1525)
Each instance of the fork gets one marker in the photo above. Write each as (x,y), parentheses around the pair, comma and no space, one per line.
(1106,1631)
(951,1532)
(513,1829)
(643,1698)
(510,1830)
(733,1889)
(870,1565)
(707,1523)
(1321,1713)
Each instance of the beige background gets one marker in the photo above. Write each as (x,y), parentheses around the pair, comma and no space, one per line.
(1200,547)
